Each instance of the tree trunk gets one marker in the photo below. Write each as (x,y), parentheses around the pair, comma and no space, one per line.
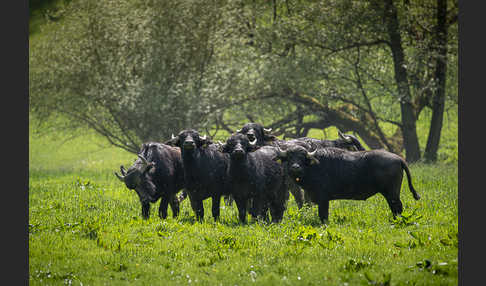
(440,76)
(409,130)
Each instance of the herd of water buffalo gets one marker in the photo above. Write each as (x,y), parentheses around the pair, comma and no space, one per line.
(258,170)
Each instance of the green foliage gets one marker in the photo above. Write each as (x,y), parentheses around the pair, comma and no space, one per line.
(134,67)
(137,70)
(133,71)
(407,218)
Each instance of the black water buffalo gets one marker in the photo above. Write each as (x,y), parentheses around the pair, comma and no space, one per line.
(346,141)
(263,137)
(157,173)
(332,173)
(254,174)
(205,170)
(256,131)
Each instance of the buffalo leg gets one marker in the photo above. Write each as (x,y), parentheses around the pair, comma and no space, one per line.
(216,200)
(392,195)
(276,210)
(307,198)
(164,203)
(174,205)
(258,209)
(198,208)
(395,205)
(298,195)
(145,210)
(241,205)
(323,209)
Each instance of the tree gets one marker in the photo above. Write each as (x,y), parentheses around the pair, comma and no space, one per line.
(357,65)
(141,70)
(134,71)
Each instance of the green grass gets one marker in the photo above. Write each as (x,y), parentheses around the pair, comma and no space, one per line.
(85,228)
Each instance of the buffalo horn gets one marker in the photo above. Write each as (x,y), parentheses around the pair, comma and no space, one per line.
(172,137)
(238,131)
(268,130)
(145,163)
(311,154)
(204,137)
(122,170)
(143,159)
(253,143)
(119,177)
(347,138)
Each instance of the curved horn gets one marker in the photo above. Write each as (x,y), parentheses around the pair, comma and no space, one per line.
(204,137)
(253,143)
(238,131)
(122,170)
(146,163)
(341,135)
(345,137)
(268,130)
(311,154)
(143,159)
(121,178)
(172,137)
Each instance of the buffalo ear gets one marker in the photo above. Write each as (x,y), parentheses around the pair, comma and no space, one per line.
(205,141)
(224,148)
(174,141)
(269,137)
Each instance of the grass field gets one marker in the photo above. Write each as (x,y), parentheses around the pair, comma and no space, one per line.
(85,228)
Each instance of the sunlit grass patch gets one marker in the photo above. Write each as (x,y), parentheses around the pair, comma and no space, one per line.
(85,227)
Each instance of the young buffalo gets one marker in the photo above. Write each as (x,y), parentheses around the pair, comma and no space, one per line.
(331,174)
(156,173)
(205,170)
(255,175)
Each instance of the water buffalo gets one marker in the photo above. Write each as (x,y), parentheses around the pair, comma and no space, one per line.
(332,173)
(254,174)
(157,173)
(264,138)
(205,170)
(346,141)
(256,131)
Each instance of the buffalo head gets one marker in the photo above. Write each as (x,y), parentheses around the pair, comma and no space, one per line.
(238,145)
(256,131)
(188,140)
(352,141)
(296,158)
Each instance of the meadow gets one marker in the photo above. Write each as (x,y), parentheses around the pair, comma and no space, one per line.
(85,228)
